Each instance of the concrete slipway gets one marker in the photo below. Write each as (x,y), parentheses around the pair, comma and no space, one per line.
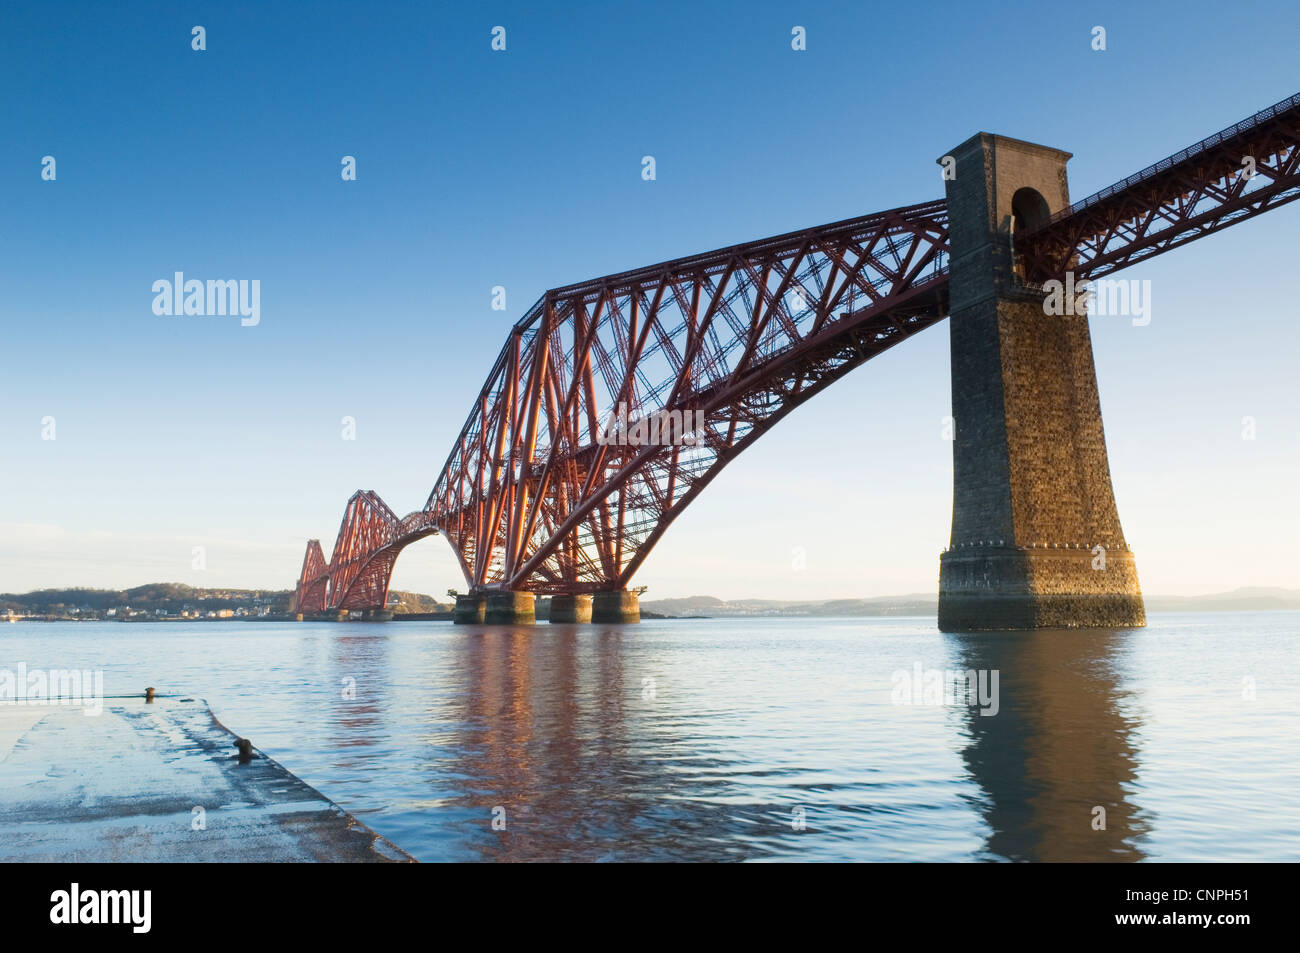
(123,786)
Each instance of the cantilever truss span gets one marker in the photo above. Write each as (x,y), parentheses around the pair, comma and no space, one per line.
(535,496)
(531,496)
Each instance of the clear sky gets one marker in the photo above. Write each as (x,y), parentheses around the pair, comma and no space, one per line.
(522,168)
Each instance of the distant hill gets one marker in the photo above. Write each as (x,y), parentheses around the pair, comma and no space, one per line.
(172,598)
(410,602)
(709,606)
(1248,598)
(155,599)
(1245,599)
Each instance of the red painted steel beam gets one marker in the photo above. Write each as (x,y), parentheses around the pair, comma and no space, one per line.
(738,335)
(531,497)
(312,580)
(370,537)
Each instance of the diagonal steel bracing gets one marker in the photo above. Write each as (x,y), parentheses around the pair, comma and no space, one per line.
(532,498)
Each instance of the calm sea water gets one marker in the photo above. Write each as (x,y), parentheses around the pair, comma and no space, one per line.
(765,739)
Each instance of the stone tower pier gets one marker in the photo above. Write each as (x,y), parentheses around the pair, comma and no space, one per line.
(1036,539)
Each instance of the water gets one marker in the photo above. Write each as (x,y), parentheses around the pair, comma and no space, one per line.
(711,739)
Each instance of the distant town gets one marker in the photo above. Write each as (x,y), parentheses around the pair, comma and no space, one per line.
(172,602)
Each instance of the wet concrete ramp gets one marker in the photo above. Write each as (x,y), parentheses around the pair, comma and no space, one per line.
(159,782)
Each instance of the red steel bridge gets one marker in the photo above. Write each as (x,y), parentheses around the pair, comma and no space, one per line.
(533,500)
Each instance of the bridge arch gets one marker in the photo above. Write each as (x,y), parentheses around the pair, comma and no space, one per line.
(541,493)
(535,497)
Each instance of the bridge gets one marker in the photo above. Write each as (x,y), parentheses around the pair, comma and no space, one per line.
(614,402)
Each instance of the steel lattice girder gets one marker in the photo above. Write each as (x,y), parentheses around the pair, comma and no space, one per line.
(313,581)
(1194,193)
(531,499)
(369,541)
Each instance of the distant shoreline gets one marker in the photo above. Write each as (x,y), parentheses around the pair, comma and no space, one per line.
(646,616)
(174,602)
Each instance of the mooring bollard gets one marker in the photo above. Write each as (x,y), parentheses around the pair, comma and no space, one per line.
(245,750)
(148,696)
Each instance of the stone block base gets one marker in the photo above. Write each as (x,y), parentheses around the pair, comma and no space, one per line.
(571,609)
(510,608)
(619,607)
(469,610)
(1014,588)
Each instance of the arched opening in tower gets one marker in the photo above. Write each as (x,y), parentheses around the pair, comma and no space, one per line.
(1028,211)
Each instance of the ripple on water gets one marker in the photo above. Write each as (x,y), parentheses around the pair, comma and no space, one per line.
(760,740)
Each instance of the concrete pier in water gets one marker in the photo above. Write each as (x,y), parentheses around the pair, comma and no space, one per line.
(510,608)
(617,607)
(502,607)
(470,610)
(571,609)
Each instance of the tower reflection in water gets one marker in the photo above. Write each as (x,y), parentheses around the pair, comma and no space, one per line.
(1060,746)
(557,734)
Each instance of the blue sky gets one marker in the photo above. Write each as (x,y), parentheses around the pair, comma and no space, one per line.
(522,169)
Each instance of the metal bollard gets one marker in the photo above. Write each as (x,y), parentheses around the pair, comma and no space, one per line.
(148,696)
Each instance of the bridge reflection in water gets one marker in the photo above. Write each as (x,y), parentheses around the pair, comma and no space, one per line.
(535,498)
(561,730)
(553,730)
(705,739)
(1060,746)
